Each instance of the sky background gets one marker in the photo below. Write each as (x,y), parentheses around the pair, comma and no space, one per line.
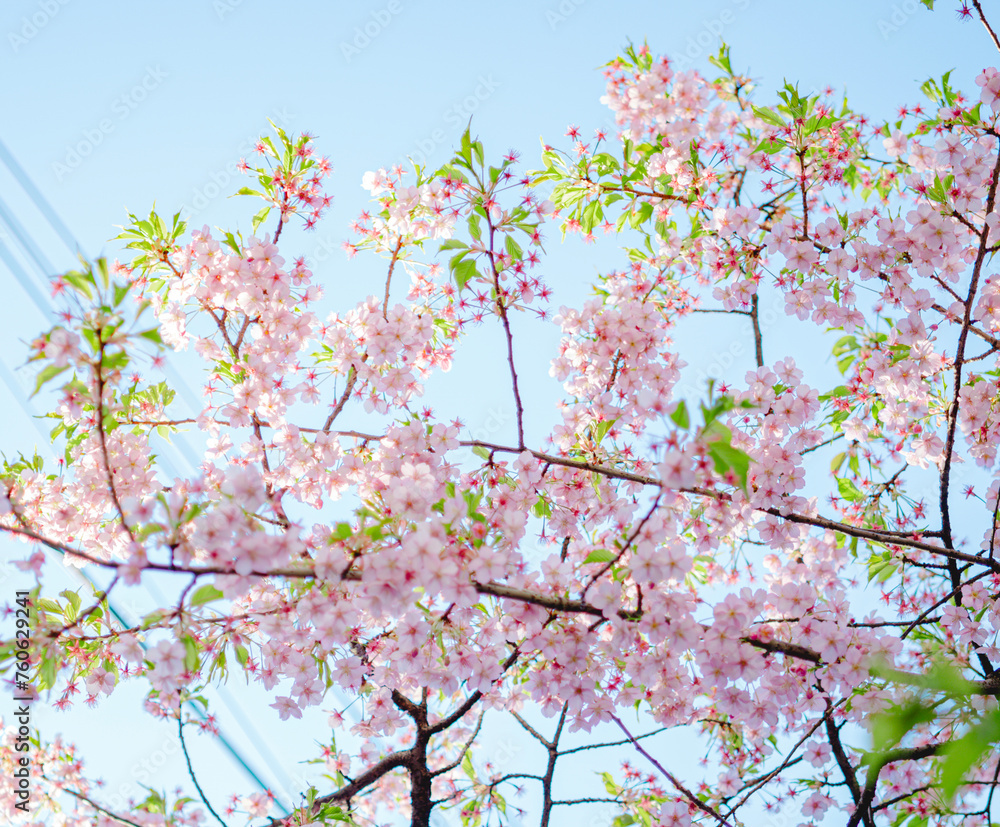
(111,106)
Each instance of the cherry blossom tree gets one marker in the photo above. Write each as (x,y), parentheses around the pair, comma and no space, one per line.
(802,573)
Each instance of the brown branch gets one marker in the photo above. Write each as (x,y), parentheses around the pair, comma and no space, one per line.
(833,736)
(352,377)
(690,796)
(959,358)
(239,336)
(352,373)
(982,334)
(607,744)
(822,444)
(628,544)
(719,310)
(471,701)
(945,478)
(534,733)
(781,647)
(863,810)
(157,422)
(758,338)
(552,748)
(102,437)
(986,23)
(465,748)
(273,496)
(356,785)
(913,624)
(505,321)
(55,545)
(883,537)
(388,277)
(90,803)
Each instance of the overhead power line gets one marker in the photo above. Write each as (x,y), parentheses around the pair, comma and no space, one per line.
(45,305)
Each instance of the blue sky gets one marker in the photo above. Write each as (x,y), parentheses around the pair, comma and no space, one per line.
(110,106)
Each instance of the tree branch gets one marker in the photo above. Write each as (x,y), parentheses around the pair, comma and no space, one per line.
(190,769)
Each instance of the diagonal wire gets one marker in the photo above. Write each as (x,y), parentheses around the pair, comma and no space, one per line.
(45,305)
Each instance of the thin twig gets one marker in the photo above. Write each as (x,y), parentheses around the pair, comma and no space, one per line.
(190,769)
(690,796)
(986,23)
(97,806)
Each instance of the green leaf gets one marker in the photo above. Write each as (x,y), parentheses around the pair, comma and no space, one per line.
(266,139)
(541,508)
(848,490)
(115,361)
(49,606)
(769,116)
(770,146)
(592,215)
(641,214)
(260,218)
(605,163)
(600,555)
(46,374)
(728,458)
(602,428)
(966,752)
(467,767)
(474,229)
(680,415)
(153,335)
(722,60)
(609,784)
(191,655)
(881,567)
(205,594)
(715,431)
(121,291)
(464,271)
(74,602)
(47,673)
(889,727)
(466,145)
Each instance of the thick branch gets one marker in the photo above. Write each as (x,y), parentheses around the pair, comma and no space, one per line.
(863,810)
